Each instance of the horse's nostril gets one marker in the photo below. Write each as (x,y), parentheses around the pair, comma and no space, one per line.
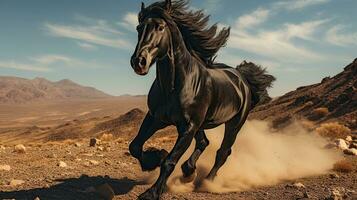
(142,61)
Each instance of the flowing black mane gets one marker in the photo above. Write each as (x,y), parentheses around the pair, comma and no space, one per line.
(202,41)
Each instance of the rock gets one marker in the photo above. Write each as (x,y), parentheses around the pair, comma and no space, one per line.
(299,185)
(341,144)
(15,182)
(2,147)
(93,142)
(37,198)
(77,144)
(351,151)
(337,193)
(349,138)
(296,185)
(100,148)
(105,191)
(93,162)
(20,148)
(5,168)
(334,175)
(62,164)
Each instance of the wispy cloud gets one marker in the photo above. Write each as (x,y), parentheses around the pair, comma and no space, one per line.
(298,4)
(92,31)
(257,17)
(277,44)
(23,67)
(337,36)
(51,59)
(47,63)
(86,46)
(130,21)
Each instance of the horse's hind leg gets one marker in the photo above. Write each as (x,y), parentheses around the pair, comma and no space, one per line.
(189,166)
(232,128)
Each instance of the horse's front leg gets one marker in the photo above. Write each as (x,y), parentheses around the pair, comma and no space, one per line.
(153,158)
(186,134)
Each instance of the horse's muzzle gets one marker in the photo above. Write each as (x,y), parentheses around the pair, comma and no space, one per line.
(139,64)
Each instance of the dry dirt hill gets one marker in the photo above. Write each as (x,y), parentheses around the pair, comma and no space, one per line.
(20,90)
(333,99)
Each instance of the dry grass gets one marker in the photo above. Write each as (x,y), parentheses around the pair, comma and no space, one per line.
(319,113)
(343,166)
(333,130)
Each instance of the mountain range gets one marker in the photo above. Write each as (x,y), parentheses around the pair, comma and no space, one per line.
(21,90)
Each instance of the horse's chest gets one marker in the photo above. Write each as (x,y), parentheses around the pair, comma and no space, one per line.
(165,110)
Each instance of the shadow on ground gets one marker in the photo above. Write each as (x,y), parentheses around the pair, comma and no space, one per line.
(73,188)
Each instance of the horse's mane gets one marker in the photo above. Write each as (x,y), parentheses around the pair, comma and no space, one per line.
(202,41)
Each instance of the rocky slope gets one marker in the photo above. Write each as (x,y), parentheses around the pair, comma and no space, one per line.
(333,99)
(20,90)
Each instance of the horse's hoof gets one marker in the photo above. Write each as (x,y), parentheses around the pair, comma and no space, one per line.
(149,195)
(152,158)
(187,169)
(188,179)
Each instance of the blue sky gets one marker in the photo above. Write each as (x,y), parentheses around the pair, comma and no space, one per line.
(91,41)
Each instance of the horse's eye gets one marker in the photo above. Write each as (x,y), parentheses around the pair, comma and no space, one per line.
(161,28)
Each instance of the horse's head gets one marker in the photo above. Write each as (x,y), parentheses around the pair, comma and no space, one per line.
(153,38)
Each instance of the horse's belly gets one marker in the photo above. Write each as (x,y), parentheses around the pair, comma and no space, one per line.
(221,114)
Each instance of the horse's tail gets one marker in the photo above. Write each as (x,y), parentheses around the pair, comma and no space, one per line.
(258,80)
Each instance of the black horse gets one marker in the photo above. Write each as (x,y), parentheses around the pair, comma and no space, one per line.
(191,91)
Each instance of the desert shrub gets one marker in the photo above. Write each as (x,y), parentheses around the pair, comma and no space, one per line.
(343,166)
(319,113)
(333,130)
(107,137)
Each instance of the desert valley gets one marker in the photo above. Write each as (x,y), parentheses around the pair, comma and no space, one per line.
(61,140)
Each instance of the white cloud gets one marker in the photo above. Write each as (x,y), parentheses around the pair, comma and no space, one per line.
(51,59)
(336,36)
(23,67)
(86,46)
(303,30)
(99,33)
(298,4)
(276,44)
(255,18)
(130,21)
(46,63)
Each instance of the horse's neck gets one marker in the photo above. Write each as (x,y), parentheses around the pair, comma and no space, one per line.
(172,70)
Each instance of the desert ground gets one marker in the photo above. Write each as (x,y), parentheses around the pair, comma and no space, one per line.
(68,168)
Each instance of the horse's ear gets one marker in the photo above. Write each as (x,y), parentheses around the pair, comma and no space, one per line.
(168,5)
(142,6)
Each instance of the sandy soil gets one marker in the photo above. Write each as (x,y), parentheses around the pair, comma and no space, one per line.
(90,167)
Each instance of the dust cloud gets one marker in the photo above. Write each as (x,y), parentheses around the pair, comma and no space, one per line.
(260,157)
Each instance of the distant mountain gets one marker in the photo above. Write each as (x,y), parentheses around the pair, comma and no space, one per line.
(333,99)
(20,90)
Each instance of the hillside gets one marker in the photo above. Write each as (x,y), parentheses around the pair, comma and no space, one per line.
(20,90)
(333,99)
